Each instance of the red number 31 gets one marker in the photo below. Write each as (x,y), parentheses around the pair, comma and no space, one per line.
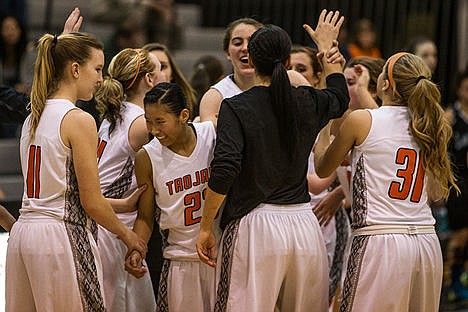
(401,190)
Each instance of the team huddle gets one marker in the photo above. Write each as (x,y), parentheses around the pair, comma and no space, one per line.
(232,190)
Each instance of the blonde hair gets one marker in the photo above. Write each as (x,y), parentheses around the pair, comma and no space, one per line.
(126,70)
(54,52)
(429,126)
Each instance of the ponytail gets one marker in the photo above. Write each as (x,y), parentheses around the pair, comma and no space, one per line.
(109,98)
(269,48)
(54,53)
(429,126)
(42,85)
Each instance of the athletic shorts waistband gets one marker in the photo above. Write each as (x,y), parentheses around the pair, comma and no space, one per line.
(395,229)
(283,208)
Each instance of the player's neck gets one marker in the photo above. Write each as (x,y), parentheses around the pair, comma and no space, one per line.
(185,145)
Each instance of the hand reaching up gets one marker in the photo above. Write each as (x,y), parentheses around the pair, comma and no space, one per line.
(73,22)
(327,30)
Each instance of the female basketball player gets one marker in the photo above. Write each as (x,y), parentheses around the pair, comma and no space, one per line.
(52,258)
(176,167)
(399,154)
(122,133)
(273,252)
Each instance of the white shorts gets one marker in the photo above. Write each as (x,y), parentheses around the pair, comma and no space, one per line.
(393,272)
(186,286)
(52,266)
(274,256)
(123,292)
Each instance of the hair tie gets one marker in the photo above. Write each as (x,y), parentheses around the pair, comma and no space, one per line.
(421,78)
(277,61)
(391,62)
(55,40)
(137,70)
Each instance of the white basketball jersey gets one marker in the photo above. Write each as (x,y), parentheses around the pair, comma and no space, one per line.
(50,184)
(227,87)
(180,183)
(116,157)
(388,181)
(314,199)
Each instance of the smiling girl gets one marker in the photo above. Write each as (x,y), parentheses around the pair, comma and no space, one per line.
(176,167)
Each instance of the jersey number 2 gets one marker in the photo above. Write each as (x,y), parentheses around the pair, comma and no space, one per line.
(33,184)
(401,190)
(193,203)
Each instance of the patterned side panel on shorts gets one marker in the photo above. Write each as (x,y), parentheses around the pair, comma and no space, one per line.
(342,236)
(353,271)
(359,195)
(229,242)
(120,185)
(162,303)
(75,220)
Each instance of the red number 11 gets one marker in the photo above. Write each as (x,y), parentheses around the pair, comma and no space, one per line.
(33,185)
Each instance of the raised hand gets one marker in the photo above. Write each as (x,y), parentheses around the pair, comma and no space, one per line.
(327,30)
(73,22)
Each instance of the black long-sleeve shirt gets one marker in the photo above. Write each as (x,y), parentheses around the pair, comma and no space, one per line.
(250,165)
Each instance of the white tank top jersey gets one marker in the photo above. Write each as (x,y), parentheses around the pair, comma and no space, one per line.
(115,155)
(50,185)
(388,181)
(180,184)
(314,199)
(227,87)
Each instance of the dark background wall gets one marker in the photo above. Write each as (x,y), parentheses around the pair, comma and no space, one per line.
(396,22)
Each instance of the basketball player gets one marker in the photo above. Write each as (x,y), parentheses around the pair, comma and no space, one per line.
(52,259)
(273,254)
(399,154)
(176,167)
(132,72)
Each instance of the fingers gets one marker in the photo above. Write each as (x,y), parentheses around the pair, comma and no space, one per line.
(77,25)
(206,256)
(335,17)
(340,22)
(309,30)
(328,17)
(322,16)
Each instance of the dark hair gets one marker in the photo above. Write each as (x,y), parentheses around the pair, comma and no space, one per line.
(19,48)
(169,94)
(207,71)
(374,66)
(460,78)
(228,33)
(269,49)
(312,53)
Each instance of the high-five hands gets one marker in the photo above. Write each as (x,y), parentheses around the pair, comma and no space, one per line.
(327,30)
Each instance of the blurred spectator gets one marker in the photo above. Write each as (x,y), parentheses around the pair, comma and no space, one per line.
(158,17)
(12,49)
(207,71)
(13,41)
(426,49)
(129,34)
(15,8)
(364,40)
(457,249)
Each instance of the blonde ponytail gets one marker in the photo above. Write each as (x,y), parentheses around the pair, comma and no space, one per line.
(429,126)
(42,86)
(109,98)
